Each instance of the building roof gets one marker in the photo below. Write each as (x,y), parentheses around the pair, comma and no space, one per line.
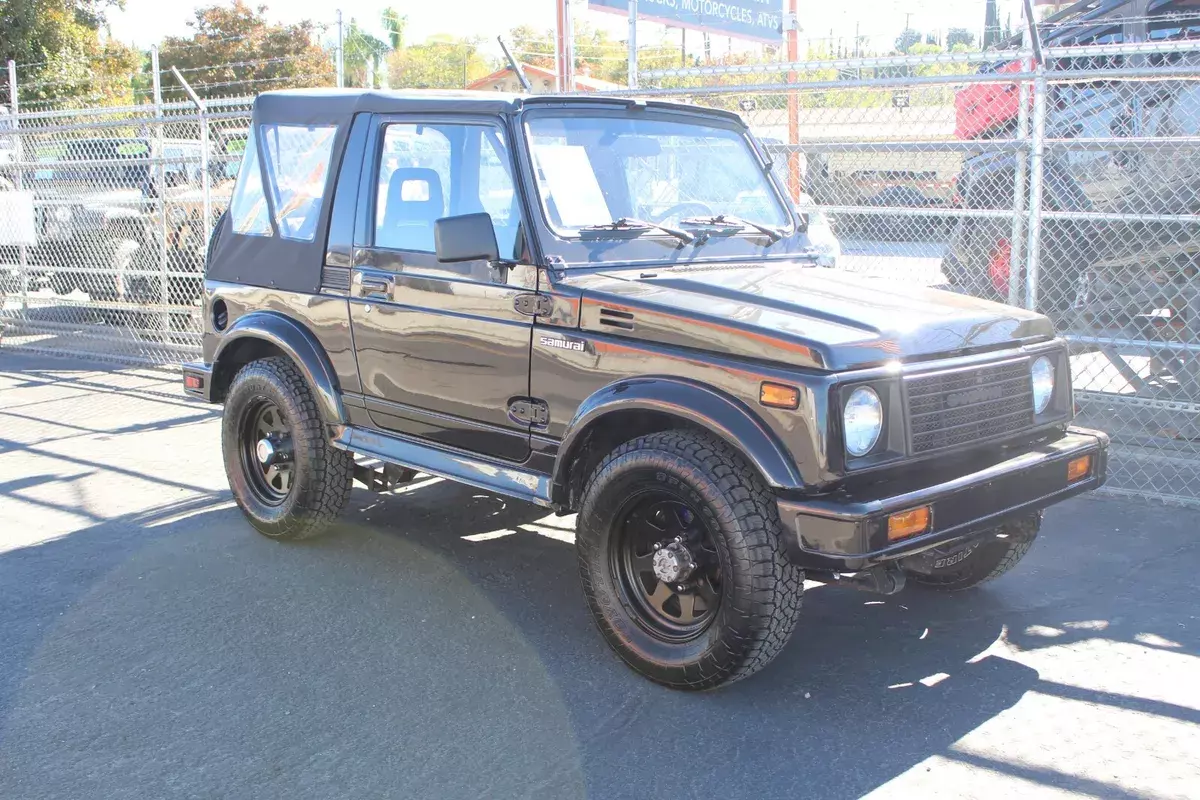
(583,83)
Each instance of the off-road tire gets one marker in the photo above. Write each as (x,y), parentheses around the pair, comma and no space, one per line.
(762,589)
(323,475)
(974,564)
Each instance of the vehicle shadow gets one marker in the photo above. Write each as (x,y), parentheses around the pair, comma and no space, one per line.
(437,645)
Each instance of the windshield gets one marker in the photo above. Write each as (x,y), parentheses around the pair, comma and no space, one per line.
(598,168)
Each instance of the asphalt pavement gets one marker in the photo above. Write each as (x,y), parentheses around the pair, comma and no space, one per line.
(436,645)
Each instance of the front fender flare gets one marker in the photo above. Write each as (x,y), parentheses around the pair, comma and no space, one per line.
(298,344)
(700,405)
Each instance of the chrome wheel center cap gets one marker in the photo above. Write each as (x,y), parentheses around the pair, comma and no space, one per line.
(673,563)
(265,451)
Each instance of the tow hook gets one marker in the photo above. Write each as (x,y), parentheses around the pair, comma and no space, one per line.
(877,580)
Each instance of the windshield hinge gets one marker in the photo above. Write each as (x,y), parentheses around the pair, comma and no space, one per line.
(533,305)
(529,411)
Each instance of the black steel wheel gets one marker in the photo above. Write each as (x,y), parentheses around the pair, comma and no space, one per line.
(285,475)
(266,448)
(682,561)
(667,565)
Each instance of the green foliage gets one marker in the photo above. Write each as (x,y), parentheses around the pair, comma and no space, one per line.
(235,51)
(440,63)
(960,36)
(394,25)
(58,44)
(362,56)
(907,38)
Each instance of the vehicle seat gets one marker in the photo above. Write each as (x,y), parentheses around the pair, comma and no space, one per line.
(414,201)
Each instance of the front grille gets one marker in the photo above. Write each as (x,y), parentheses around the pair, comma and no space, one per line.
(949,409)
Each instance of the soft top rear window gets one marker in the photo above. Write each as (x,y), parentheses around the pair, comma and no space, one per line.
(295,160)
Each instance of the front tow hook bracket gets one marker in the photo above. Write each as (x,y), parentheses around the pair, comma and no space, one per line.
(877,580)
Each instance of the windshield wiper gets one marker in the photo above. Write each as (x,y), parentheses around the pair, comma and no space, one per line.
(774,234)
(631,224)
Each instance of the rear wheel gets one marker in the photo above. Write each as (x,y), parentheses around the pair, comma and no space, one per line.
(682,564)
(286,477)
(967,565)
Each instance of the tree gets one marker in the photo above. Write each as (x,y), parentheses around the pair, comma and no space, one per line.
(58,44)
(235,51)
(957,36)
(443,62)
(394,25)
(907,38)
(362,56)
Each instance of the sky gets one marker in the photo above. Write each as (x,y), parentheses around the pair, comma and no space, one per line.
(144,22)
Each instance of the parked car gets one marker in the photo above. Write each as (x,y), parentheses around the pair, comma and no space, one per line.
(99,205)
(1133,277)
(724,417)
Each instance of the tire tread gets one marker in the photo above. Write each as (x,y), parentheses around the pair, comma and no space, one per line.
(777,585)
(331,470)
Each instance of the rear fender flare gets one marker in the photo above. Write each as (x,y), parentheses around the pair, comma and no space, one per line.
(699,405)
(297,344)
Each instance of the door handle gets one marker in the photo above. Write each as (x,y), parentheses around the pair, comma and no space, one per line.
(373,285)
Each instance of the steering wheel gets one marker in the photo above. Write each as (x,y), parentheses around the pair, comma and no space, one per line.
(696,208)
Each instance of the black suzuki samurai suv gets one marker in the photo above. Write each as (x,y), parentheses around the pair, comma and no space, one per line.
(610,307)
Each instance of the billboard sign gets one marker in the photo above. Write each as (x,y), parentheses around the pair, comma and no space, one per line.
(759,20)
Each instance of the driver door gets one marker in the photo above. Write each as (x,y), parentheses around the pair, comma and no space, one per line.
(442,351)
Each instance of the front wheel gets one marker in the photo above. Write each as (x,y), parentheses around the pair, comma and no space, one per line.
(682,564)
(286,477)
(967,565)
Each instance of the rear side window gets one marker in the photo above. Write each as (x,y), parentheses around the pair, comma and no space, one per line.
(248,209)
(297,159)
(297,166)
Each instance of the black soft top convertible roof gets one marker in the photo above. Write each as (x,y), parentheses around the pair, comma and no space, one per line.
(316,106)
(294,265)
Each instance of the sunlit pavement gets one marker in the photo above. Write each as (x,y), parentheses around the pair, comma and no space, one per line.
(436,646)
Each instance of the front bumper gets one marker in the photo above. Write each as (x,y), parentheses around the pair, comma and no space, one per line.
(847,531)
(197,380)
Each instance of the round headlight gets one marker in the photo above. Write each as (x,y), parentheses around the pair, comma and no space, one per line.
(862,421)
(1042,376)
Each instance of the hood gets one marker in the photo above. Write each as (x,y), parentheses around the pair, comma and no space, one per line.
(798,315)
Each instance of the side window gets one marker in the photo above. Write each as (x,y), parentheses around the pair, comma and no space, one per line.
(414,177)
(497,194)
(428,172)
(298,159)
(248,208)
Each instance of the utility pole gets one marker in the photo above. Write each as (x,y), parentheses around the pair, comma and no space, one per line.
(633,49)
(341,69)
(907,38)
(793,101)
(14,107)
(565,48)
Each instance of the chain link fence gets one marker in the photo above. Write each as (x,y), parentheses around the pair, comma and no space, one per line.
(105,226)
(1070,185)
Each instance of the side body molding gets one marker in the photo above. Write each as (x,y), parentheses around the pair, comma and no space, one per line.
(294,340)
(701,405)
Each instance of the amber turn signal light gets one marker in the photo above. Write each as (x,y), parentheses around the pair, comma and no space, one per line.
(1079,468)
(776,395)
(908,523)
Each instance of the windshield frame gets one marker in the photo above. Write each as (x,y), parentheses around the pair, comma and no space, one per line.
(651,246)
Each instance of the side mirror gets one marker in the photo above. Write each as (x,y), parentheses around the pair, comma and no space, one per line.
(468,237)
